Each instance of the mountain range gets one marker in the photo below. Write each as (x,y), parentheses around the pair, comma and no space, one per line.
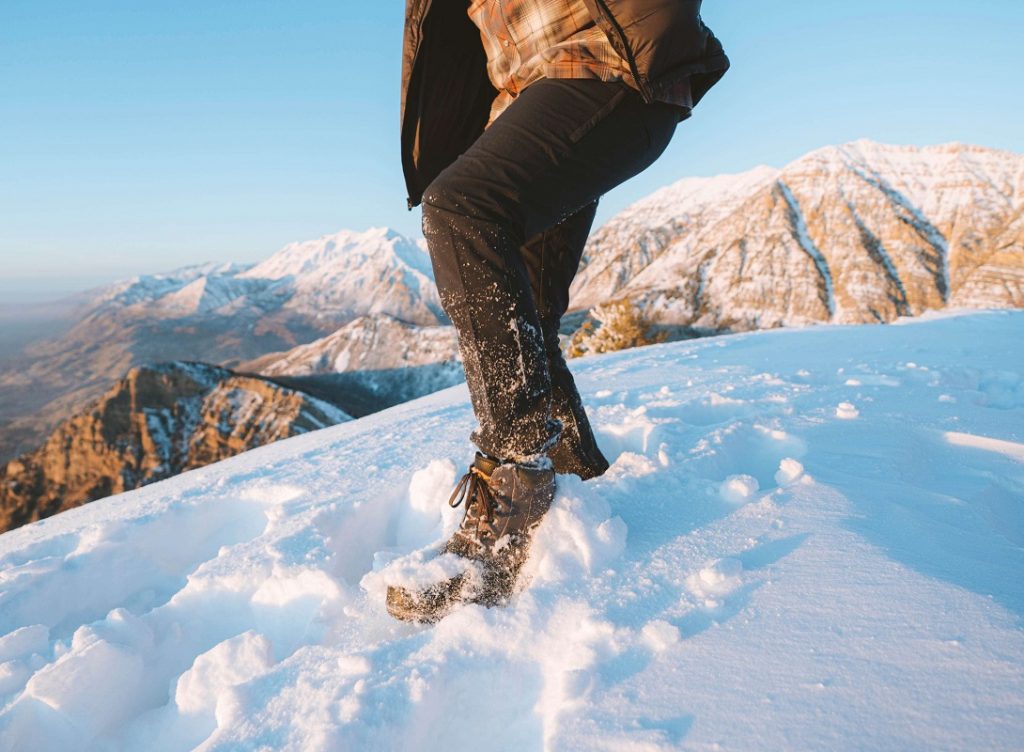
(217,313)
(857,233)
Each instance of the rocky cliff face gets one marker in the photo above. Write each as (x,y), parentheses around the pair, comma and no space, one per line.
(156,422)
(850,234)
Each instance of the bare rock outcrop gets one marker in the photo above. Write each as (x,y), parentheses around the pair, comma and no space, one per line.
(156,422)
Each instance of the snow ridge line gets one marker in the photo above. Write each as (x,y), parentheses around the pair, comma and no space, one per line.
(803,237)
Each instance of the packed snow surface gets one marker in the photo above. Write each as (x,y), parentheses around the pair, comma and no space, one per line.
(808,539)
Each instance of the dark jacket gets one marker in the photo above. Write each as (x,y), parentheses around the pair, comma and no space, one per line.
(446,94)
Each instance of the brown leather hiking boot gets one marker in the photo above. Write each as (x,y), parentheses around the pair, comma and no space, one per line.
(504,503)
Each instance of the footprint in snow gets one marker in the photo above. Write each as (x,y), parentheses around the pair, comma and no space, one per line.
(742,449)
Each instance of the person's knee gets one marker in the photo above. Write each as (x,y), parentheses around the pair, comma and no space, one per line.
(448,193)
(431,219)
(444,222)
(456,194)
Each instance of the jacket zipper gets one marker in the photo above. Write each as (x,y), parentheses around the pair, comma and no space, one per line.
(629,52)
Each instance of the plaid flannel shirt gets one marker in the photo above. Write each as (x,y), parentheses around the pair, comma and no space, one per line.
(526,40)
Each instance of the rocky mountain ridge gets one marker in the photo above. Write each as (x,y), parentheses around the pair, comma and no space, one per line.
(156,422)
(369,343)
(858,233)
(369,364)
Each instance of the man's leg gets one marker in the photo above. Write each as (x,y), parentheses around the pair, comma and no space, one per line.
(552,257)
(556,149)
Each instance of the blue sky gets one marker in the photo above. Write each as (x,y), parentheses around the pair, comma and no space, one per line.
(141,136)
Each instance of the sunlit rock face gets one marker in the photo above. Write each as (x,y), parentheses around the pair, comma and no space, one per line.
(156,422)
(857,233)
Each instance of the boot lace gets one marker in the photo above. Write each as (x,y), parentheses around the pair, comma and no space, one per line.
(481,502)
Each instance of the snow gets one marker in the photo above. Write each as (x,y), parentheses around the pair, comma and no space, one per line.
(1009,448)
(847,411)
(376,271)
(147,288)
(637,236)
(790,470)
(368,343)
(858,587)
(738,489)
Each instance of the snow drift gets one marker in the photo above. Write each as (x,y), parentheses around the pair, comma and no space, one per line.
(809,539)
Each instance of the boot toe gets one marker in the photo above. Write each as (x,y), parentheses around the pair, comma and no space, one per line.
(425,606)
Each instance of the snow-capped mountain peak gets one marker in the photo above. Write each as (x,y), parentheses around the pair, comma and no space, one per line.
(352,274)
(334,278)
(340,252)
(147,288)
(851,233)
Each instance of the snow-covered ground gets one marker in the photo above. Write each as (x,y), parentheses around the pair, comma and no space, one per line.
(809,539)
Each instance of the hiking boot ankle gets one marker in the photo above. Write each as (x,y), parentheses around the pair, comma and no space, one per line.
(504,503)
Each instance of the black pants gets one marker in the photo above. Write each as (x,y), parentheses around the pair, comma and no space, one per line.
(505,225)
